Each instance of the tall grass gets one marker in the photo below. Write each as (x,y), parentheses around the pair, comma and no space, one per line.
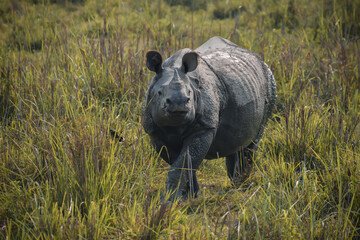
(75,162)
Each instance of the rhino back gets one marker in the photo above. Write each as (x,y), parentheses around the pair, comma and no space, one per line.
(244,78)
(240,70)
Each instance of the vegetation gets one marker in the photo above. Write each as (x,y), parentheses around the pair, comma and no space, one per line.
(73,72)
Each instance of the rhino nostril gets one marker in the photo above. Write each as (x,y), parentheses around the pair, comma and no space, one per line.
(168,101)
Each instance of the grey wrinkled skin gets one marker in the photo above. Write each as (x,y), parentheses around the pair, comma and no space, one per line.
(208,103)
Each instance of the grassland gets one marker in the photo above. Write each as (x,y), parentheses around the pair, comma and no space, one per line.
(72,71)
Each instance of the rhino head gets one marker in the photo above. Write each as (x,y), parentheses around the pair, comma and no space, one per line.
(173,94)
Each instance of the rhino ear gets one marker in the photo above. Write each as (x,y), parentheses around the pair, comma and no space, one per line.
(153,61)
(190,61)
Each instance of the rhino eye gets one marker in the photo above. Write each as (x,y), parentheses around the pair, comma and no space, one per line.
(159,92)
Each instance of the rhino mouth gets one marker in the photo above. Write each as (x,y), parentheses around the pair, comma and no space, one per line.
(175,114)
(177,117)
(177,110)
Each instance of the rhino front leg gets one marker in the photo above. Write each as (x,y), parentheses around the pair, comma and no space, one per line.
(181,180)
(166,153)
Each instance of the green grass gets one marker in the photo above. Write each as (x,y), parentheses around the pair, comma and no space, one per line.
(72,70)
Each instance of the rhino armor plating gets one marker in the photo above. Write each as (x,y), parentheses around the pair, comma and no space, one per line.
(209,103)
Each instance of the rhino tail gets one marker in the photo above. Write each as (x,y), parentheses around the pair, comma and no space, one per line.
(271,91)
(270,101)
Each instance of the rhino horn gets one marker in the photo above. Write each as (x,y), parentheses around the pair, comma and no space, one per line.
(176,81)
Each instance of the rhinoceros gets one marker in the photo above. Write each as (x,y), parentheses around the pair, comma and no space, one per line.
(209,103)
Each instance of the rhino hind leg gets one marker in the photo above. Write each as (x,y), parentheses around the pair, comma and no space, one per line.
(239,164)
